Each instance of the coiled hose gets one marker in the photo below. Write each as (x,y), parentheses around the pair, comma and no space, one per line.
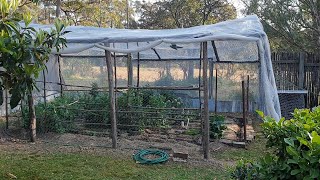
(139,157)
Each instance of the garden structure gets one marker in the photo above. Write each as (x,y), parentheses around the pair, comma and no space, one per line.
(118,80)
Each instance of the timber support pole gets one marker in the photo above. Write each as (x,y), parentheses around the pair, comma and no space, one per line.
(205,102)
(111,99)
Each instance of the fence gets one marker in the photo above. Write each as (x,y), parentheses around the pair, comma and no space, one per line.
(297,71)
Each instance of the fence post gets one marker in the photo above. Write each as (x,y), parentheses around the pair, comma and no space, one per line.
(301,71)
(205,102)
(111,99)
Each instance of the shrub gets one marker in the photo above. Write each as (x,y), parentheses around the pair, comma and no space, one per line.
(297,147)
(53,117)
(61,114)
(216,126)
(98,104)
(244,170)
(134,99)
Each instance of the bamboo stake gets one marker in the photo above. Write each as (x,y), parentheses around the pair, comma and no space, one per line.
(112,100)
(206,102)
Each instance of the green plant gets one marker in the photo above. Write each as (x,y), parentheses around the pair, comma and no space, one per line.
(54,116)
(244,170)
(24,54)
(216,126)
(94,89)
(297,146)
(192,132)
(24,50)
(137,108)
(142,105)
(97,104)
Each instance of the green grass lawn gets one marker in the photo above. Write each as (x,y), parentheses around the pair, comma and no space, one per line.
(65,166)
(253,151)
(82,166)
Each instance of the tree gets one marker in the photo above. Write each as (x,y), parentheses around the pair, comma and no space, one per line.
(23,54)
(101,13)
(290,24)
(183,13)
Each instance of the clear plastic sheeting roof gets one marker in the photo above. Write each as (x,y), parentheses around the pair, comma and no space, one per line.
(235,41)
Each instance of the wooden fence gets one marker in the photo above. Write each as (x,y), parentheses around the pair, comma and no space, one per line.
(298,71)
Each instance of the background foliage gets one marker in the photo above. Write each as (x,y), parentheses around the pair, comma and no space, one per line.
(292,25)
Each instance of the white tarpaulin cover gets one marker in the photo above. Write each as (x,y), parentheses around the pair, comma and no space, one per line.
(240,40)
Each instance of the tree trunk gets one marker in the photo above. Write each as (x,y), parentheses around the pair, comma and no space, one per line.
(58,8)
(32,115)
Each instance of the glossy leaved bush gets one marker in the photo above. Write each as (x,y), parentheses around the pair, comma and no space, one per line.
(296,144)
(24,50)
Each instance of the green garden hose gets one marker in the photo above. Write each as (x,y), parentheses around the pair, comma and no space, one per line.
(139,157)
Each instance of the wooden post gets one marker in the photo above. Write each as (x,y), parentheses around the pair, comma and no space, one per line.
(112,100)
(301,71)
(244,112)
(138,68)
(32,116)
(199,79)
(216,94)
(6,106)
(205,102)
(138,71)
(130,70)
(210,79)
(60,75)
